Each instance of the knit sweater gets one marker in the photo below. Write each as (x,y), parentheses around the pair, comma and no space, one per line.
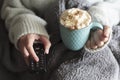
(21,16)
(27,16)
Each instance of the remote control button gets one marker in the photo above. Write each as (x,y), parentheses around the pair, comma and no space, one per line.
(41,65)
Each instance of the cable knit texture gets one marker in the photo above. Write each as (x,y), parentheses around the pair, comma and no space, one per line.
(24,25)
(97,66)
(20,20)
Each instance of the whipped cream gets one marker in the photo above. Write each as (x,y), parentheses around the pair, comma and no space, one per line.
(75,18)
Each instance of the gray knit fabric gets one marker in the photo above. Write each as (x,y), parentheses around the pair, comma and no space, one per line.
(102,65)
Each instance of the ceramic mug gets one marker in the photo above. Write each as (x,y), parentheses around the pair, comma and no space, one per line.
(76,39)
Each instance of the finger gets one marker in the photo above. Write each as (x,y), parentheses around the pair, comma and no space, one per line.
(92,42)
(101,43)
(98,38)
(101,35)
(27,61)
(88,44)
(25,54)
(32,52)
(106,31)
(104,39)
(46,43)
(23,50)
(29,47)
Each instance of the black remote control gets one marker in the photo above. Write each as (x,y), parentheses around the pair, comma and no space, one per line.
(38,67)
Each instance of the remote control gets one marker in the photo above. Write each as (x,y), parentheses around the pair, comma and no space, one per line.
(40,66)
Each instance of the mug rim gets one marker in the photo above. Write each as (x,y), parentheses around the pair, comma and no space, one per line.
(75,29)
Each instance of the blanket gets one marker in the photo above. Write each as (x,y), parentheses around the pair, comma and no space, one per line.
(101,65)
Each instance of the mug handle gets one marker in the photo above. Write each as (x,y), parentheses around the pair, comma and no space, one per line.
(96,25)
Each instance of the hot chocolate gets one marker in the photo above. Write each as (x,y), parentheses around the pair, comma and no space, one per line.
(75,18)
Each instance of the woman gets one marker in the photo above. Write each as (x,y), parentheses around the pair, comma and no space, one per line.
(30,20)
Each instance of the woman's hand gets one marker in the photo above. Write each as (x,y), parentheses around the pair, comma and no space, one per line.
(25,45)
(98,38)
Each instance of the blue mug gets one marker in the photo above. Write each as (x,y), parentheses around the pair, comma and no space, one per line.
(76,39)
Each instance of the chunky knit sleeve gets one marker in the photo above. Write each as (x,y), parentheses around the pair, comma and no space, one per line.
(106,12)
(20,20)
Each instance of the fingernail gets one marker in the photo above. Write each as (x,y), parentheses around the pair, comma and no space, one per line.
(47,51)
(37,59)
(106,35)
